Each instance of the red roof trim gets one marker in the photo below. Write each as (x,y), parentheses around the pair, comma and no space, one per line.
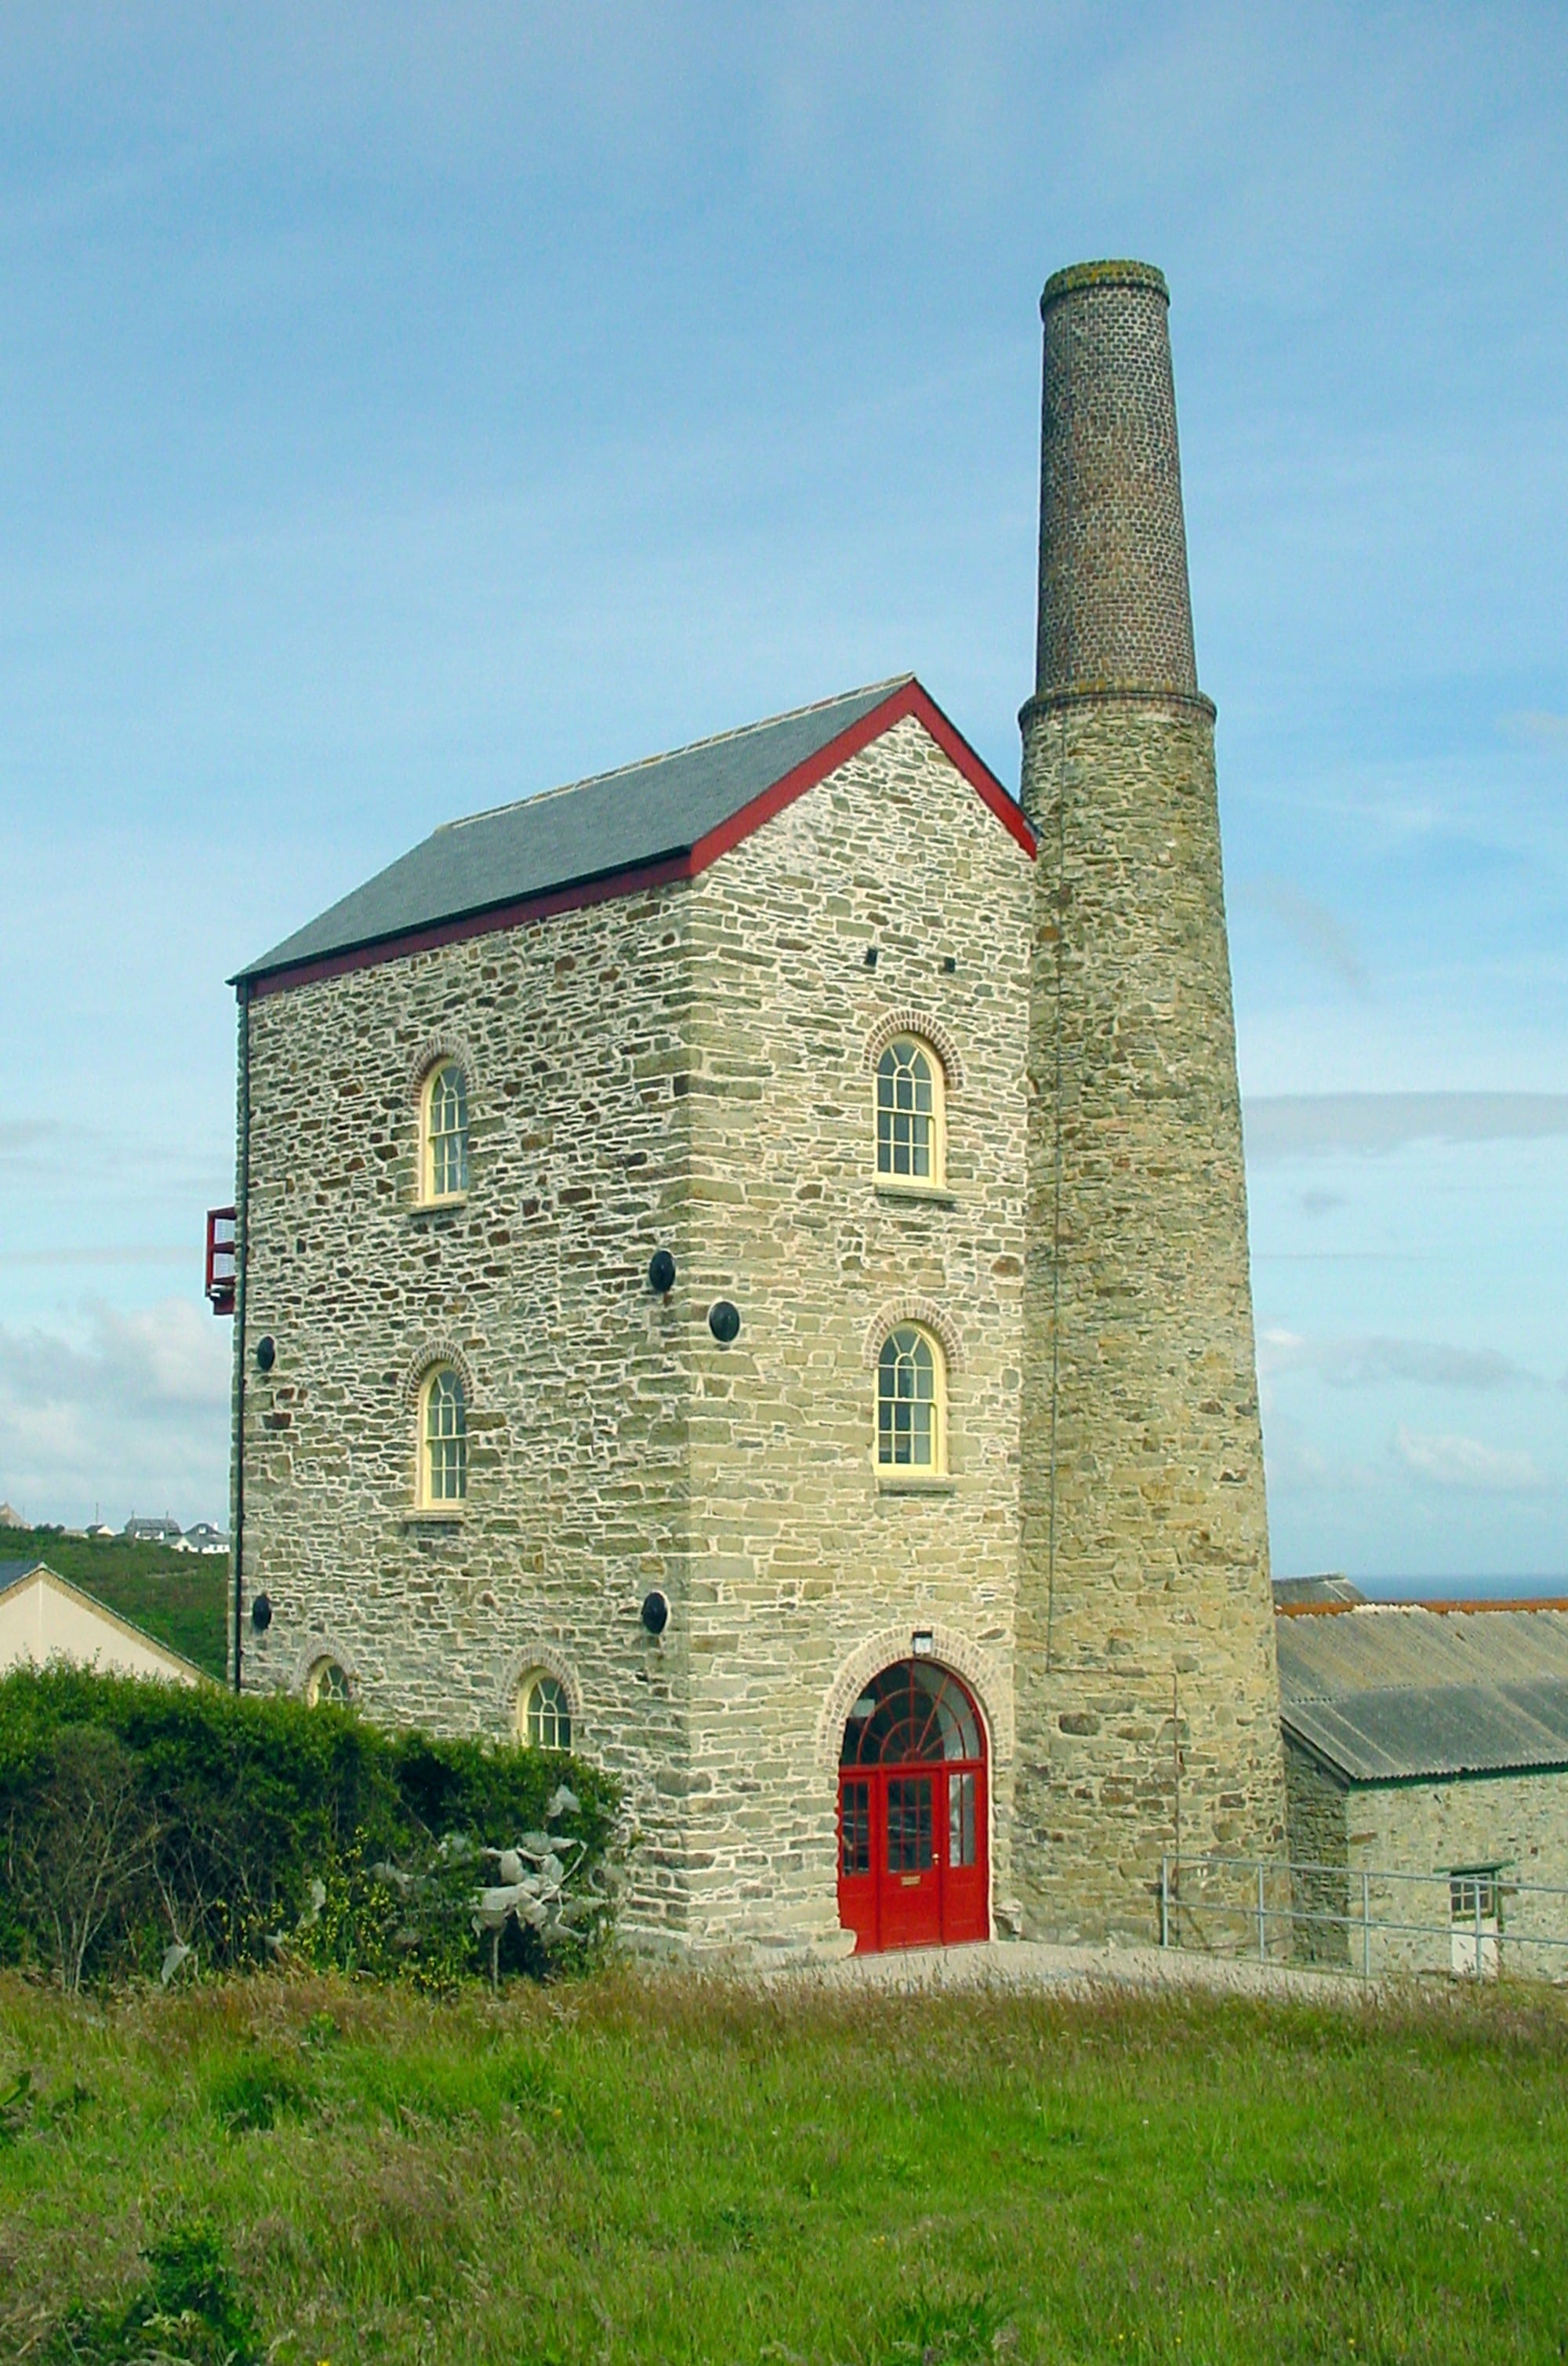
(1442,1605)
(484,923)
(908,700)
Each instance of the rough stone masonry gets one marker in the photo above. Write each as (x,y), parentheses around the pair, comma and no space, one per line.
(1147,1692)
(678,1053)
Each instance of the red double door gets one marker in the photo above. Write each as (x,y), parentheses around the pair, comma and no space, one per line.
(913,1864)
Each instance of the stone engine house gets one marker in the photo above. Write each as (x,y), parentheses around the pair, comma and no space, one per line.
(741,1265)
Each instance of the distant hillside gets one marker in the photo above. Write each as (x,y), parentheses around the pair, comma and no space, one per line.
(181,1599)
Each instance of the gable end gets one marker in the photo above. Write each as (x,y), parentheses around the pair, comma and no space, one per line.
(906,700)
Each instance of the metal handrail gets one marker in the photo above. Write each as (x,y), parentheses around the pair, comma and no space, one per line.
(1487,1937)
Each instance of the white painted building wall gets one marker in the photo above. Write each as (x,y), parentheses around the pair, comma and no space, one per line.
(43,1618)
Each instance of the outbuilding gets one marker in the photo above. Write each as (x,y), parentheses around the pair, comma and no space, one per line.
(1426,1782)
(43,1617)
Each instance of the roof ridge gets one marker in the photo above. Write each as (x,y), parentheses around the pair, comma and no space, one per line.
(689,747)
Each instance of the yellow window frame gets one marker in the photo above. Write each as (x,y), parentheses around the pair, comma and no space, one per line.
(444,1146)
(909,1415)
(442,1446)
(905,1134)
(544,1711)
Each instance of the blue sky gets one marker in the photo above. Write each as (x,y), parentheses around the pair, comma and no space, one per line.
(406,409)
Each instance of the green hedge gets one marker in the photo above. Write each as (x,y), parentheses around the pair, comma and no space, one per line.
(137,1816)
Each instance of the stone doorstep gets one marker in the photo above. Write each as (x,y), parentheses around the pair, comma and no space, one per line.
(1032,1963)
(995,1965)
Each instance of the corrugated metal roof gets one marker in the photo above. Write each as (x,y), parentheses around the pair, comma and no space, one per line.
(1387,1694)
(590,829)
(1380,1644)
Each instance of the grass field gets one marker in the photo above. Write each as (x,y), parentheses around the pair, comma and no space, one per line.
(635,2170)
(181,1598)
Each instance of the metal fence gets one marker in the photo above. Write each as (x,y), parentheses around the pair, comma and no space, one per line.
(1473,1922)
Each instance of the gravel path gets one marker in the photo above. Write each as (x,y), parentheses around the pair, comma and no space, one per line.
(1029,1964)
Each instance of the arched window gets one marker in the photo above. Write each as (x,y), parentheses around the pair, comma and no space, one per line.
(910,1135)
(328,1681)
(543,1713)
(443,1156)
(912,1713)
(443,1439)
(911,1402)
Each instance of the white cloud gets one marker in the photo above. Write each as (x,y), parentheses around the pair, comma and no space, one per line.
(1466,1463)
(35,1151)
(132,1415)
(95,1253)
(1313,928)
(1370,1361)
(1542,731)
(1296,1125)
(30,1150)
(1299,1466)
(1321,1203)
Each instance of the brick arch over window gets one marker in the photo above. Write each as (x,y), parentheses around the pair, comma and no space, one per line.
(922,1311)
(926,1030)
(424,1361)
(310,1655)
(443,1045)
(949,1649)
(537,1655)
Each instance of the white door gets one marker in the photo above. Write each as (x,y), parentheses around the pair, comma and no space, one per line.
(1473,1939)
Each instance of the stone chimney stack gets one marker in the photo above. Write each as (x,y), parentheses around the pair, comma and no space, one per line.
(1148,1696)
(1114,609)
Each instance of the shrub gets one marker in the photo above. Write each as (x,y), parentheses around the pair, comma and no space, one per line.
(143,1823)
(188,2311)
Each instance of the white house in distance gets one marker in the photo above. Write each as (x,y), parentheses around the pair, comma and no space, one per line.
(201,1538)
(43,1617)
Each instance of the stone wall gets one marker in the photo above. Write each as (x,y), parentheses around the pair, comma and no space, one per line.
(1149,1699)
(688,1069)
(808,1574)
(1315,1830)
(1148,1704)
(1399,1841)
(1519,1821)
(572,1036)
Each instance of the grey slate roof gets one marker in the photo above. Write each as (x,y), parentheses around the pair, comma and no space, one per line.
(12,1571)
(618,821)
(1390,1694)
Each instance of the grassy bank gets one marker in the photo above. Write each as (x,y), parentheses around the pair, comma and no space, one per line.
(632,2171)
